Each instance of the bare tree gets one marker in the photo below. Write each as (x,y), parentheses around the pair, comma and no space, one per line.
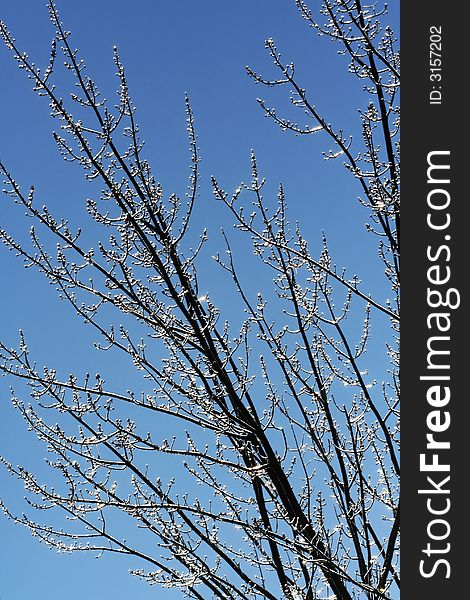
(294,444)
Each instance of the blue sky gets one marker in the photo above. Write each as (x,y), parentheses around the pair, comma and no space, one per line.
(169,49)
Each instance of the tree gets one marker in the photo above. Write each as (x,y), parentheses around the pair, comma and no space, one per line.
(295,449)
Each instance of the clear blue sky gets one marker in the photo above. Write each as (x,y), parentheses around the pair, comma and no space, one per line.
(169,48)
